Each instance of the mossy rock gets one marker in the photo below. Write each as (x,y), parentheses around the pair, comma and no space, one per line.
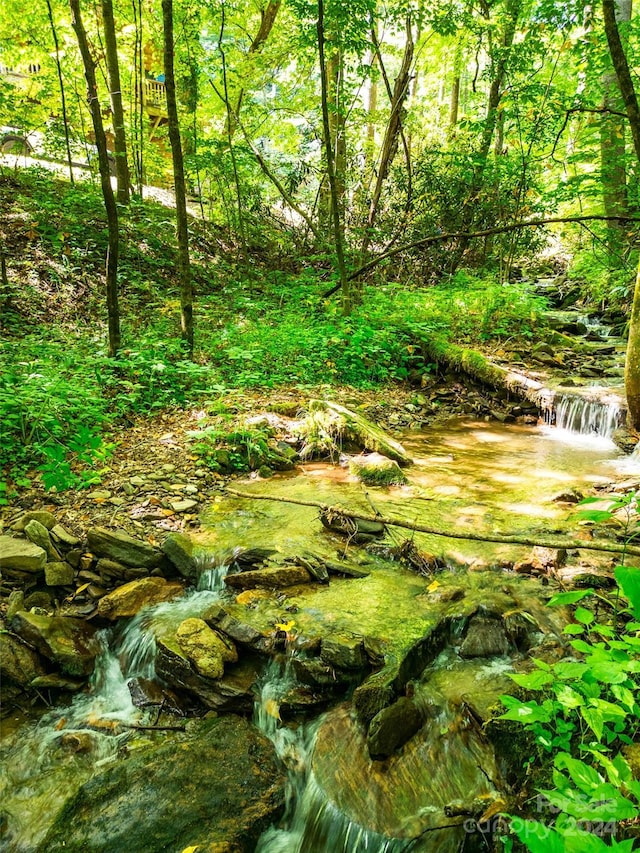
(375,469)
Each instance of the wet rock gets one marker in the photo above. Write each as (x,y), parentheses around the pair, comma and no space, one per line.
(345,652)
(58,574)
(521,629)
(43,516)
(55,681)
(129,599)
(119,546)
(318,674)
(356,529)
(276,577)
(179,549)
(377,470)
(345,569)
(70,643)
(21,555)
(239,631)
(146,693)
(485,638)
(79,743)
(549,558)
(392,727)
(216,786)
(205,648)
(18,661)
(625,439)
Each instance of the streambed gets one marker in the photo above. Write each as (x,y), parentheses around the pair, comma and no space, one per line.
(478,476)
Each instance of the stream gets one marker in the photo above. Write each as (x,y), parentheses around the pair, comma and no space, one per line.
(469,475)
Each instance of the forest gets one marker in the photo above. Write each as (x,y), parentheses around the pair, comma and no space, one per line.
(319,406)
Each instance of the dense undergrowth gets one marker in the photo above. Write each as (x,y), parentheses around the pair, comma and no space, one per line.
(261,323)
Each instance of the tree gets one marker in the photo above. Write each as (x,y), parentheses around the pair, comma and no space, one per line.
(630,98)
(113,70)
(113,311)
(184,266)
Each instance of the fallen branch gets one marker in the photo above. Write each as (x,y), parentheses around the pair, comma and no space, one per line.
(558,542)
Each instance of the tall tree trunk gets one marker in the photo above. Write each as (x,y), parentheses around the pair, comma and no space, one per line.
(113,311)
(629,96)
(336,205)
(392,133)
(613,174)
(184,266)
(63,99)
(113,71)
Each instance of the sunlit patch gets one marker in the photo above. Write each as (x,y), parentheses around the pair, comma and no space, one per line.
(489,437)
(535,510)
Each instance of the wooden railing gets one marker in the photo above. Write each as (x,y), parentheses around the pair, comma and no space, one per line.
(155,94)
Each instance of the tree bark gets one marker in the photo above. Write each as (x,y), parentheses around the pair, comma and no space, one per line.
(629,96)
(338,232)
(63,99)
(184,266)
(113,71)
(113,311)
(542,541)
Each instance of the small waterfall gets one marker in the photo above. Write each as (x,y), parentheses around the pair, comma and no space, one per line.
(576,414)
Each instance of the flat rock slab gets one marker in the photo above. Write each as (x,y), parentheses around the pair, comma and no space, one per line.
(129,599)
(272,578)
(21,555)
(217,786)
(119,546)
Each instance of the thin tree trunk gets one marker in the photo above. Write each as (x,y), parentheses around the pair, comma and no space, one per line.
(184,267)
(113,71)
(542,541)
(63,98)
(331,169)
(113,311)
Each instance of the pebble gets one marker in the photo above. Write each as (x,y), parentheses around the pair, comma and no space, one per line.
(137,481)
(183,506)
(191,490)
(99,495)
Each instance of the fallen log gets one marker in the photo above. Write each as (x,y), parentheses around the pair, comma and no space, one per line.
(502,539)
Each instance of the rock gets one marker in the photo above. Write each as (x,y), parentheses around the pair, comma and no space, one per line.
(318,674)
(485,637)
(55,681)
(68,642)
(110,569)
(624,439)
(63,536)
(43,516)
(240,632)
(58,574)
(392,727)
(99,495)
(205,648)
(570,496)
(146,693)
(119,546)
(39,535)
(184,505)
(277,577)
(215,787)
(549,558)
(368,435)
(39,600)
(21,555)
(355,528)
(179,549)
(129,599)
(18,661)
(15,603)
(377,470)
(344,652)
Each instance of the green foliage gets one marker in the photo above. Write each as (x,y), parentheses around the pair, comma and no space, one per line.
(586,709)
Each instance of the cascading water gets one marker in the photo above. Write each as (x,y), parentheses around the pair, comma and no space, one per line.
(66,745)
(586,417)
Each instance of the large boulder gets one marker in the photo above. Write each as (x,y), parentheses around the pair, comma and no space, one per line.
(215,787)
(179,549)
(129,599)
(69,643)
(21,555)
(119,546)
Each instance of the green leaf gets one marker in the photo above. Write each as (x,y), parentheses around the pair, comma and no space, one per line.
(573,629)
(537,837)
(535,680)
(629,579)
(584,616)
(584,776)
(593,718)
(572,597)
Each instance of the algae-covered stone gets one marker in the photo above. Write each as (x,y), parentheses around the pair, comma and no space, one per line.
(374,469)
(129,599)
(485,637)
(18,661)
(21,555)
(179,549)
(68,642)
(119,546)
(39,535)
(345,652)
(58,574)
(216,786)
(45,518)
(204,647)
(277,577)
(392,727)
